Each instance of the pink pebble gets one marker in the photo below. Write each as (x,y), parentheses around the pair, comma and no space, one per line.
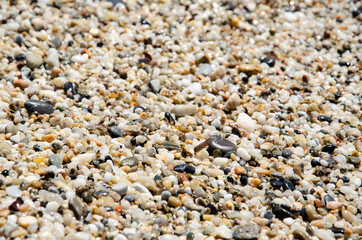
(333,205)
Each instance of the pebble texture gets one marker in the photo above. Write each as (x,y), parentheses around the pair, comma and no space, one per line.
(186,120)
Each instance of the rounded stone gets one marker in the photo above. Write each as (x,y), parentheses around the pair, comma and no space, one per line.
(33,60)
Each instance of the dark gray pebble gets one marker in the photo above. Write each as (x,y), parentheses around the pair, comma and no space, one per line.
(324,119)
(222,144)
(281,213)
(184,168)
(33,106)
(287,153)
(76,206)
(115,132)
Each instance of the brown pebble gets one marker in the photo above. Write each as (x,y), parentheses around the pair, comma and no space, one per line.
(174,201)
(318,203)
(22,84)
(300,235)
(182,177)
(49,138)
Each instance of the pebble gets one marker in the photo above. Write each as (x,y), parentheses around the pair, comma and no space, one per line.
(115,131)
(130,161)
(268,60)
(120,188)
(33,60)
(282,213)
(165,195)
(155,85)
(83,158)
(174,201)
(224,232)
(184,110)
(247,232)
(184,168)
(222,144)
(301,235)
(55,160)
(200,192)
(220,161)
(246,123)
(205,69)
(40,107)
(243,154)
(26,221)
(13,191)
(324,235)
(75,204)
(57,41)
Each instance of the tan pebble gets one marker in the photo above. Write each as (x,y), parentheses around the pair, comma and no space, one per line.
(2,222)
(167,184)
(49,138)
(207,217)
(174,201)
(98,143)
(349,231)
(194,184)
(22,84)
(352,209)
(255,182)
(71,142)
(300,235)
(333,205)
(55,73)
(318,223)
(35,184)
(88,117)
(4,213)
(40,171)
(18,233)
(348,216)
(24,207)
(26,221)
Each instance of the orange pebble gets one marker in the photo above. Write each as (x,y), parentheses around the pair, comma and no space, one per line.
(239,170)
(255,182)
(118,208)
(318,203)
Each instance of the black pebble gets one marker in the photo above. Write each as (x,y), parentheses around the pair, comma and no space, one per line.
(169,118)
(276,184)
(115,132)
(337,230)
(288,185)
(287,153)
(5,173)
(33,106)
(315,163)
(356,12)
(281,213)
(329,148)
(243,180)
(18,40)
(108,208)
(87,197)
(70,88)
(268,60)
(184,168)
(20,56)
(324,118)
(303,214)
(230,179)
(345,179)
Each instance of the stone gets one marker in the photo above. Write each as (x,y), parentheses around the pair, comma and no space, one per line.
(55,160)
(83,158)
(245,122)
(76,206)
(174,201)
(120,188)
(33,60)
(324,234)
(52,59)
(87,197)
(13,191)
(233,102)
(26,221)
(130,161)
(300,235)
(184,168)
(57,41)
(155,85)
(200,192)
(224,145)
(142,189)
(287,153)
(324,118)
(250,69)
(21,83)
(40,107)
(220,161)
(282,213)
(115,132)
(205,69)
(165,195)
(354,160)
(184,110)
(249,231)
(223,231)
(243,154)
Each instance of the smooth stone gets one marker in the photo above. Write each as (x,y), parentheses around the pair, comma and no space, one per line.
(354,160)
(243,154)
(83,158)
(55,160)
(249,231)
(33,60)
(327,198)
(300,235)
(200,192)
(324,118)
(287,153)
(120,188)
(20,56)
(115,2)
(184,168)
(245,122)
(142,189)
(76,206)
(205,69)
(224,232)
(52,60)
(174,201)
(216,196)
(130,161)
(115,132)
(13,191)
(165,195)
(26,221)
(346,190)
(220,161)
(328,148)
(233,102)
(250,69)
(288,185)
(82,236)
(184,110)
(38,106)
(268,215)
(324,235)
(155,85)
(18,40)
(57,41)
(282,213)
(87,197)
(222,144)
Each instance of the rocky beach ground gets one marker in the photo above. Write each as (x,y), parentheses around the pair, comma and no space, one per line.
(183,119)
